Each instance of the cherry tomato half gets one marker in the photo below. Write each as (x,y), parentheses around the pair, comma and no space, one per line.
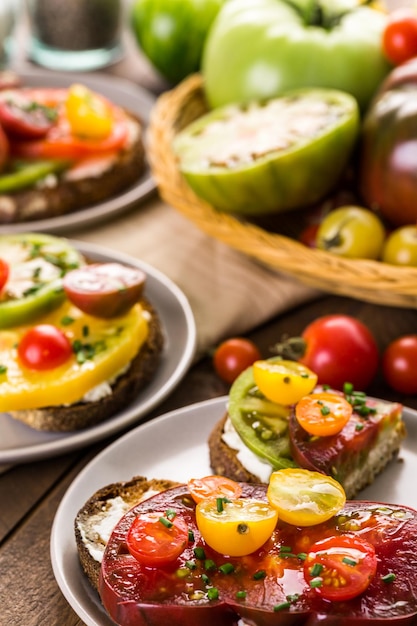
(44,347)
(156,539)
(22,117)
(323,414)
(104,289)
(4,273)
(303,497)
(284,382)
(213,487)
(233,356)
(399,364)
(340,349)
(340,568)
(399,39)
(89,114)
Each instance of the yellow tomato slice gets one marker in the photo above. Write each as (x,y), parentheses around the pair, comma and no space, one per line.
(323,414)
(282,381)
(303,497)
(236,527)
(89,115)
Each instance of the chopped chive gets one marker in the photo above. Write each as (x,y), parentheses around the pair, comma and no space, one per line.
(348,388)
(85,331)
(199,553)
(316,582)
(209,565)
(282,606)
(388,578)
(3,369)
(261,573)
(67,320)
(316,570)
(190,535)
(302,556)
(205,579)
(213,593)
(359,427)
(293,597)
(325,410)
(349,561)
(227,568)
(166,522)
(170,514)
(241,595)
(285,549)
(219,505)
(190,564)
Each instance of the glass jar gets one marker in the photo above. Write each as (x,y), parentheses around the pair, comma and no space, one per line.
(8,11)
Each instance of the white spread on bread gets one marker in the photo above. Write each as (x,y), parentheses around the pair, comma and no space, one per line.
(249,460)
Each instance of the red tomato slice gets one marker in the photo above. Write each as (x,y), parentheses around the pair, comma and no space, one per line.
(323,414)
(155,539)
(214,487)
(340,567)
(4,273)
(23,117)
(44,347)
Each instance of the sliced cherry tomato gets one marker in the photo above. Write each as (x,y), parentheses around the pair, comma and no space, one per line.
(104,289)
(323,414)
(399,39)
(235,527)
(4,273)
(303,497)
(155,539)
(340,567)
(213,487)
(233,356)
(284,382)
(89,114)
(399,364)
(44,347)
(22,117)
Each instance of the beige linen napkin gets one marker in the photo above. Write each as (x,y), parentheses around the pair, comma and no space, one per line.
(229,293)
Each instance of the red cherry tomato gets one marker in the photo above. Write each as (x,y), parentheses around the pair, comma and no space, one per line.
(399,364)
(399,38)
(20,116)
(44,347)
(4,273)
(341,349)
(104,289)
(233,356)
(4,149)
(213,487)
(340,567)
(156,539)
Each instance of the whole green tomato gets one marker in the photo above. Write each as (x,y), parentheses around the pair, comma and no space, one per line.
(171,33)
(261,48)
(352,232)
(400,247)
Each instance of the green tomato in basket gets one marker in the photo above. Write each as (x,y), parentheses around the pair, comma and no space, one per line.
(272,156)
(171,33)
(262,48)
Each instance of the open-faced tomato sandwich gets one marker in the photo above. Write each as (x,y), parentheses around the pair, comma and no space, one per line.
(215,551)
(63,149)
(277,417)
(78,340)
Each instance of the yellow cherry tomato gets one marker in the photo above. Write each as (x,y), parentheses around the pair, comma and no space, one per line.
(323,414)
(284,382)
(303,497)
(236,527)
(88,114)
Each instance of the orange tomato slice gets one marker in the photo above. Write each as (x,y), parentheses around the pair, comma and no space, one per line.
(323,414)
(213,487)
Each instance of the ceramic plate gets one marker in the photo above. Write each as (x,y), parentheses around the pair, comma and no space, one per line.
(174,446)
(121,92)
(19,443)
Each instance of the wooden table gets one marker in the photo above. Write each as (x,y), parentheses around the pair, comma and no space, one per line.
(30,493)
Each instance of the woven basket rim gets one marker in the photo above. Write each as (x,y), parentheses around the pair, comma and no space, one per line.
(367,280)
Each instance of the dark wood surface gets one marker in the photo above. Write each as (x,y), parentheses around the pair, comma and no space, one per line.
(30,493)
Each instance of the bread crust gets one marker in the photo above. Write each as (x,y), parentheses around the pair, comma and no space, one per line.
(124,390)
(223,460)
(131,492)
(71,194)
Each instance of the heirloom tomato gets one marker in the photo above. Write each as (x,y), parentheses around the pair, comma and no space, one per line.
(400,35)
(44,347)
(286,45)
(233,356)
(400,247)
(399,364)
(171,33)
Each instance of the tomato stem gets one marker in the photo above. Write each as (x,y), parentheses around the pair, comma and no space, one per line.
(292,348)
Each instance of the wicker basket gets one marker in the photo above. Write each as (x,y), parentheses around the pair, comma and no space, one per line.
(370,281)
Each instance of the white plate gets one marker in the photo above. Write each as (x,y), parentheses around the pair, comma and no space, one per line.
(121,92)
(19,443)
(174,446)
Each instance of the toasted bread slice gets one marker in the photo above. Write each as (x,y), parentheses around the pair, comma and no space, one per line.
(124,389)
(96,180)
(95,520)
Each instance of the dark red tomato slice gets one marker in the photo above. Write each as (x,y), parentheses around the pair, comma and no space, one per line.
(214,487)
(155,539)
(22,117)
(340,567)
(233,356)
(104,290)
(44,347)
(4,273)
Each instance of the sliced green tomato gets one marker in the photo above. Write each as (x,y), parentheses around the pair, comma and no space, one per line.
(237,527)
(261,424)
(284,382)
(303,497)
(270,156)
(34,287)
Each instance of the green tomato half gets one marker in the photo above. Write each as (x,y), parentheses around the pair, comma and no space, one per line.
(262,48)
(171,33)
(273,156)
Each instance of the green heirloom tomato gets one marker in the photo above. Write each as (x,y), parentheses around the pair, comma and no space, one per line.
(270,156)
(171,33)
(261,48)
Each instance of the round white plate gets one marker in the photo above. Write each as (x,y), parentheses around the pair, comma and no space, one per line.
(175,446)
(121,92)
(20,443)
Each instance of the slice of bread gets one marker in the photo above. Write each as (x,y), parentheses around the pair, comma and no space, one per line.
(124,389)
(96,519)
